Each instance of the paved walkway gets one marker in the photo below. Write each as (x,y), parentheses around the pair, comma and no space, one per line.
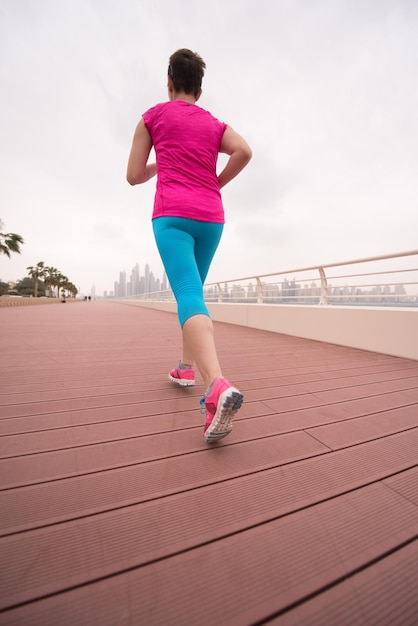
(114,512)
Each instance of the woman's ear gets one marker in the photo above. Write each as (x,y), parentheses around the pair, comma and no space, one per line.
(170,87)
(199,94)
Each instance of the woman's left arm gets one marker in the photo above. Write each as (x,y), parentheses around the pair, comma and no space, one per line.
(138,171)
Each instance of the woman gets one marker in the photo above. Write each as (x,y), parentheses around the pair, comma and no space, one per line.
(188,219)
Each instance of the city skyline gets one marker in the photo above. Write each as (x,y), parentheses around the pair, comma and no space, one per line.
(137,284)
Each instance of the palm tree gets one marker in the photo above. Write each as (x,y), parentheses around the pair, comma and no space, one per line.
(50,278)
(36,272)
(9,242)
(71,289)
(56,278)
(61,282)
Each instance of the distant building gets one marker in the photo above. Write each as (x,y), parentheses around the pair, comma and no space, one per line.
(138,284)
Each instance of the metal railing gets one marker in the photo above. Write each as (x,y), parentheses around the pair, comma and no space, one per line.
(390,280)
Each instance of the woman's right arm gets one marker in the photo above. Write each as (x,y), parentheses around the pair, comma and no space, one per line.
(138,171)
(239,155)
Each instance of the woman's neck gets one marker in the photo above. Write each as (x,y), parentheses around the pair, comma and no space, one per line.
(184,97)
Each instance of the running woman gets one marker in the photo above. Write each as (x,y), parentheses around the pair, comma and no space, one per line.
(188,220)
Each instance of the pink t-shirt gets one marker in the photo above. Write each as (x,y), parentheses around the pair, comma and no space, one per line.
(186,139)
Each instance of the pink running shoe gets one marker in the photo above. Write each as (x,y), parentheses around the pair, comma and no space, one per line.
(220,403)
(183,376)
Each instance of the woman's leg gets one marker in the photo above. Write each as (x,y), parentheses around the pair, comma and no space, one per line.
(198,330)
(198,338)
(187,248)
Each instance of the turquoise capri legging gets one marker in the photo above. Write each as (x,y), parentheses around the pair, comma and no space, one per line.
(186,248)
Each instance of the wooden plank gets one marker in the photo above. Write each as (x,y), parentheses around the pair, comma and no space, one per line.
(153,454)
(104,375)
(219,478)
(406,484)
(383,594)
(41,393)
(336,435)
(354,431)
(237,580)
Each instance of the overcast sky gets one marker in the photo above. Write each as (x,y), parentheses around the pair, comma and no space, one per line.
(324,91)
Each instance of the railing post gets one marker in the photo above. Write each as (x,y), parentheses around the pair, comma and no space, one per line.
(259,291)
(219,292)
(324,287)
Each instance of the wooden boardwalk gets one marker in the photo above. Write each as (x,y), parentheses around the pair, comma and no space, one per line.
(114,512)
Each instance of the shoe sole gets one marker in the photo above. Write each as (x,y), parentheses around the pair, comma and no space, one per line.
(228,404)
(183,382)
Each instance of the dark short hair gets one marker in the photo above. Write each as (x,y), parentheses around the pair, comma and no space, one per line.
(186,70)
